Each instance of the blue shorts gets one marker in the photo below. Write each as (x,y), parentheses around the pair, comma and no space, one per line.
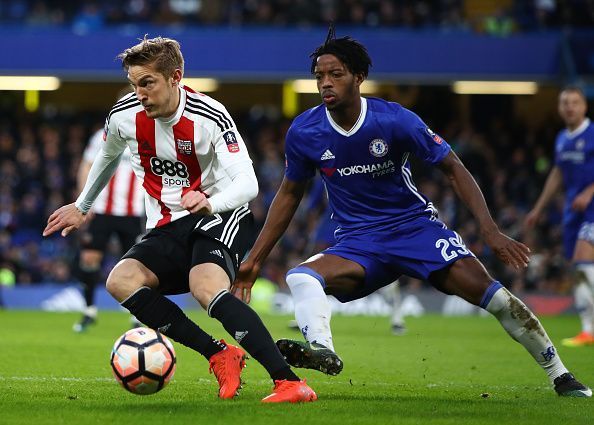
(576,227)
(416,248)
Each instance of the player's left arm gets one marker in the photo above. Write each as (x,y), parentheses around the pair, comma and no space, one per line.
(243,189)
(232,154)
(508,250)
(583,199)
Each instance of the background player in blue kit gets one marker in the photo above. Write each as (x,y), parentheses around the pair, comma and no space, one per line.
(574,169)
(361,148)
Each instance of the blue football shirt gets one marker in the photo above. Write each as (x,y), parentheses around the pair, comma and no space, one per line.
(366,170)
(574,155)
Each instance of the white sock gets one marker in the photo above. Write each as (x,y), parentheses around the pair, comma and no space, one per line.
(584,295)
(523,326)
(397,317)
(90,311)
(312,309)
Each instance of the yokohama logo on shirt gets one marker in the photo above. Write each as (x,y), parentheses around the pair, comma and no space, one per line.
(189,151)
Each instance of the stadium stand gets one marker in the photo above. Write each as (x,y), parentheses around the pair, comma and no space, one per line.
(509,156)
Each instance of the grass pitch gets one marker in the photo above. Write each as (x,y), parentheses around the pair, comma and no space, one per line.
(462,370)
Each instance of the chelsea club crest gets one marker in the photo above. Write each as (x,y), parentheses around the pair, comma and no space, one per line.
(378,148)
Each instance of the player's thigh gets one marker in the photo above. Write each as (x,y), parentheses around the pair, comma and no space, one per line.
(341,276)
(584,252)
(166,256)
(466,278)
(128,276)
(584,246)
(213,267)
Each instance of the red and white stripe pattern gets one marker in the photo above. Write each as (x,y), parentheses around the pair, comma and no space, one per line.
(173,156)
(123,195)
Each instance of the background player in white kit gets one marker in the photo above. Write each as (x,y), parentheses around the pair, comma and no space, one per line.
(199,178)
(118,211)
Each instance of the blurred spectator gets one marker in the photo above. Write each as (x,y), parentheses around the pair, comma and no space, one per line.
(90,15)
(89,18)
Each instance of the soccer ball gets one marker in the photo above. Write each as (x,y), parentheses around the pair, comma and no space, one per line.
(143,361)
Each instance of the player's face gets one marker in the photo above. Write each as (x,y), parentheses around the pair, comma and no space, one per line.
(336,84)
(572,108)
(159,95)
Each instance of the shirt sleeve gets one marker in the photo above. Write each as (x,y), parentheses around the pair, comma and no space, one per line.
(297,166)
(229,146)
(104,166)
(420,139)
(233,157)
(243,189)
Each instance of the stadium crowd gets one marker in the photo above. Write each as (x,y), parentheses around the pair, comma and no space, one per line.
(40,154)
(498,18)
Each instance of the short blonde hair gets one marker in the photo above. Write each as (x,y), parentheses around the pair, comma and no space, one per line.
(165,53)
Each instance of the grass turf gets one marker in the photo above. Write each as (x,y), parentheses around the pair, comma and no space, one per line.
(457,370)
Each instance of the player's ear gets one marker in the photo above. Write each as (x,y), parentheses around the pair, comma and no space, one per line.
(359,78)
(176,77)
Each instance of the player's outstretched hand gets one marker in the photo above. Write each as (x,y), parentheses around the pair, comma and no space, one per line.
(196,202)
(508,250)
(66,218)
(246,276)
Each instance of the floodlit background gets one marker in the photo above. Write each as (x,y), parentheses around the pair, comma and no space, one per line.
(483,74)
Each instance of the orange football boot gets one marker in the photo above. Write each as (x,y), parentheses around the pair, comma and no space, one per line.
(290,392)
(227,365)
(581,339)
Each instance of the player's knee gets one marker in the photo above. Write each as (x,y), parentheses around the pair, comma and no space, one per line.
(124,279)
(303,274)
(466,278)
(206,281)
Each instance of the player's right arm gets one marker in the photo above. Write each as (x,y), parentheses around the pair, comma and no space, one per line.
(279,216)
(70,217)
(551,188)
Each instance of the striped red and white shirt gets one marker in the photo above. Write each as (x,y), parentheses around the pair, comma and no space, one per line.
(123,196)
(198,148)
